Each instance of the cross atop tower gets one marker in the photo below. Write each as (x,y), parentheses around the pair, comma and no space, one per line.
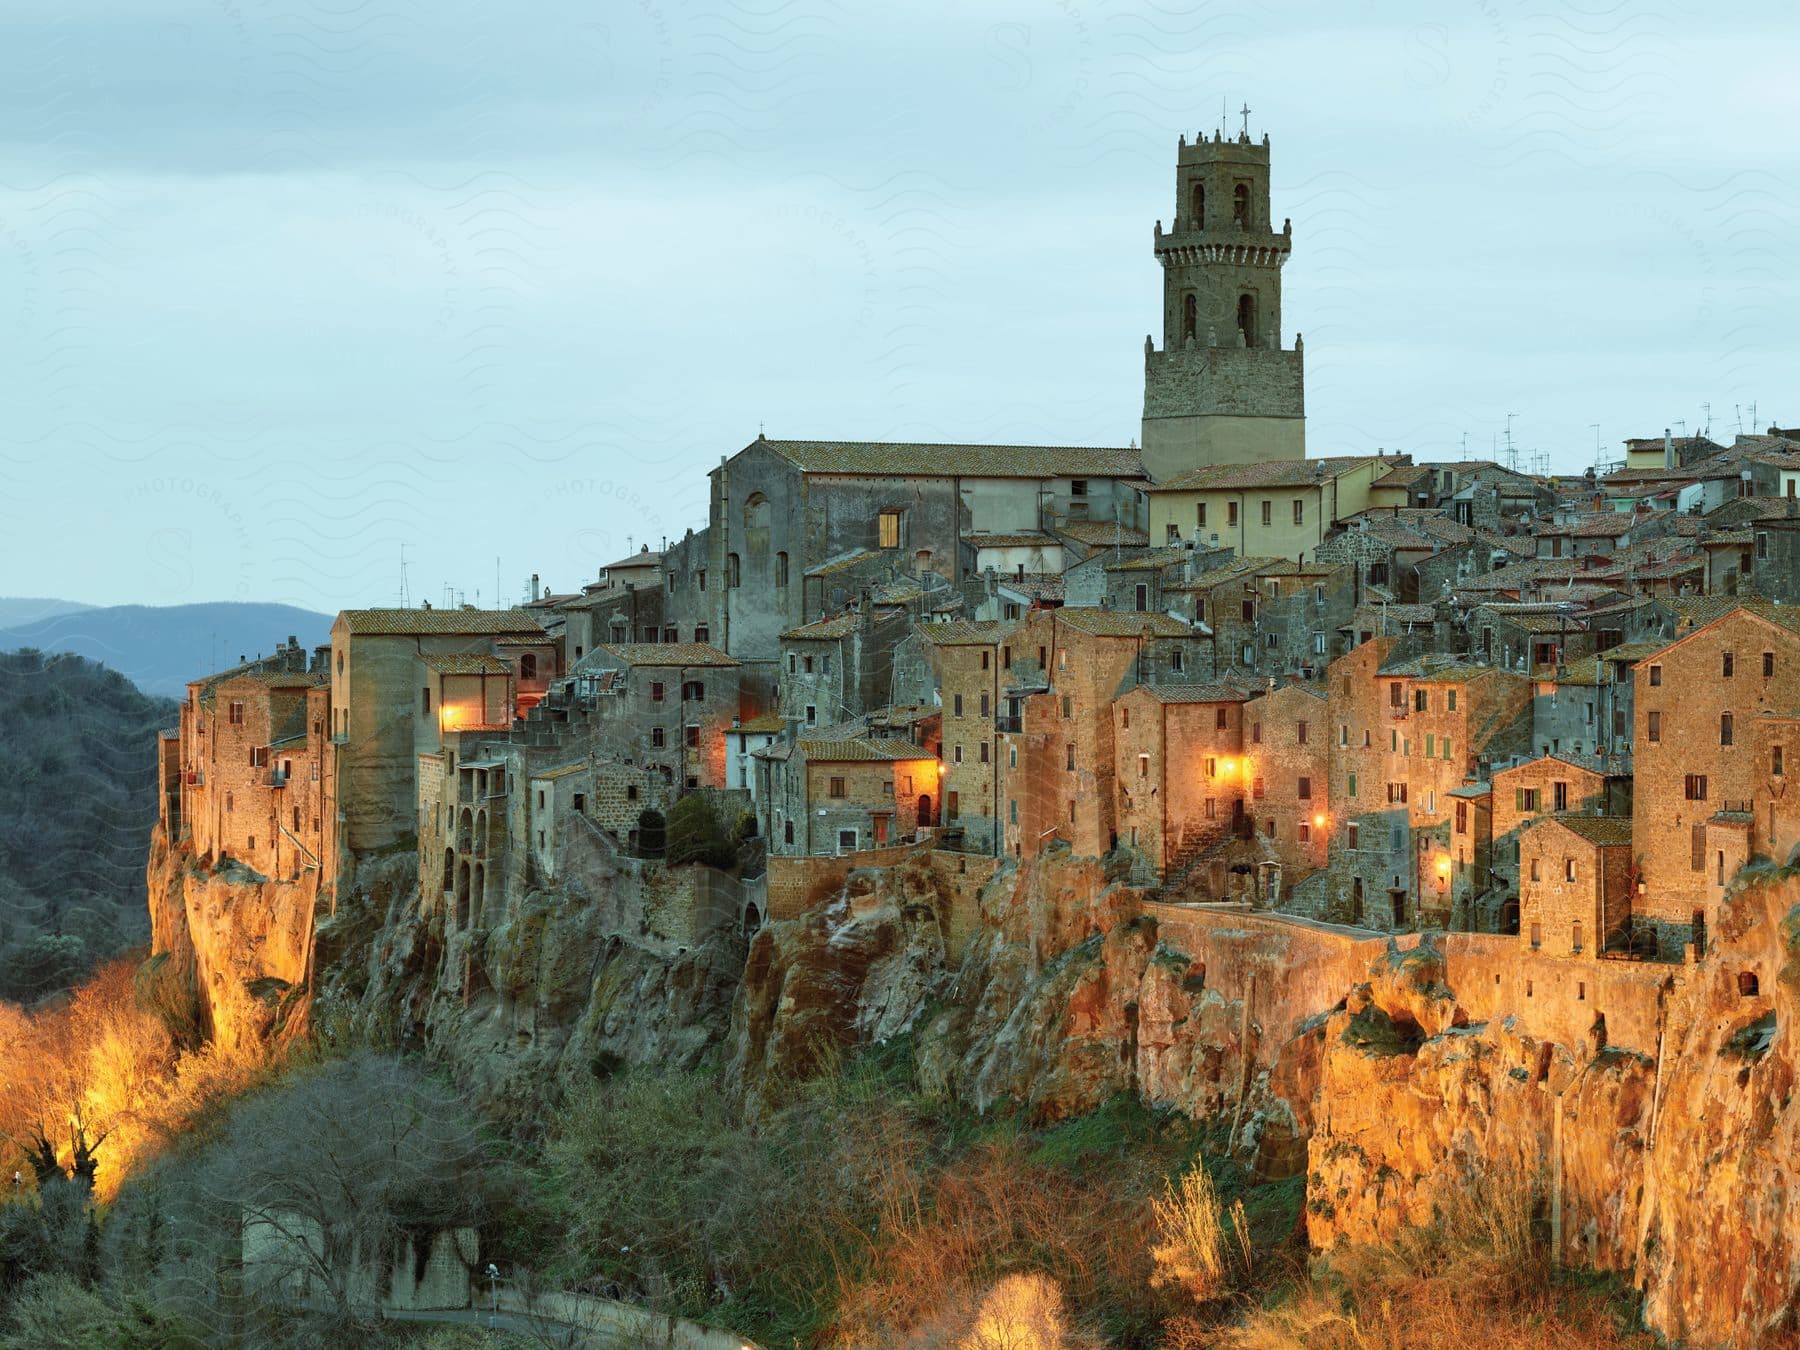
(1245,110)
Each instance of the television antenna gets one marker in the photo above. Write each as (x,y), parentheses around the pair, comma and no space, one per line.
(1595,427)
(1512,451)
(405,590)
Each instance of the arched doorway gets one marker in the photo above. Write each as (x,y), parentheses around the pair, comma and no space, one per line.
(752,920)
(1246,318)
(924,809)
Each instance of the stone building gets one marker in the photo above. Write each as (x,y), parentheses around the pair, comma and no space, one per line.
(969,662)
(841,793)
(1179,772)
(1061,670)
(380,723)
(1276,508)
(839,667)
(1701,803)
(1576,886)
(1287,751)
(796,529)
(665,705)
(1221,389)
(1534,789)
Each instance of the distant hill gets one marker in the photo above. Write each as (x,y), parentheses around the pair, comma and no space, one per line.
(161,648)
(77,800)
(23,609)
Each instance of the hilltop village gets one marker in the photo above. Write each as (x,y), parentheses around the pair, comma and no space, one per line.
(1351,691)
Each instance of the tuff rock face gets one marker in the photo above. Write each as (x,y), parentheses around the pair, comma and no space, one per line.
(1347,1056)
(1354,1061)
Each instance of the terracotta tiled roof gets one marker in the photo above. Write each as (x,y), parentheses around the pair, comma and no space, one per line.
(1268,473)
(1121,623)
(1024,539)
(844,751)
(837,626)
(462,622)
(666,653)
(644,558)
(1231,571)
(964,632)
(1102,533)
(924,460)
(768,722)
(465,663)
(1036,585)
(560,771)
(1604,831)
(843,562)
(1194,693)
(1152,561)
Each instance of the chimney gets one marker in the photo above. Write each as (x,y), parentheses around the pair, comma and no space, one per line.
(1668,449)
(534,585)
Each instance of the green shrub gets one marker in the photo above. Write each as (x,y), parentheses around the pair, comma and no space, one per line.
(695,834)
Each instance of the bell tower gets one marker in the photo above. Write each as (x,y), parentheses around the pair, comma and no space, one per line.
(1222,389)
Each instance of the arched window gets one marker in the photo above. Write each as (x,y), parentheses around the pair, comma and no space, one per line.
(1747,984)
(1240,206)
(781,569)
(528,666)
(449,871)
(756,512)
(1190,314)
(733,571)
(1247,318)
(1197,206)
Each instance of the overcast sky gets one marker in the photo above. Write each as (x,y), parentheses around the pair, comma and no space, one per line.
(285,287)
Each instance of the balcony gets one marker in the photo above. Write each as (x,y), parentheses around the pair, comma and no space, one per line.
(1007,725)
(1398,710)
(276,778)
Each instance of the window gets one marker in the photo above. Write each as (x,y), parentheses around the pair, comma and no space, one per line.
(1220,721)
(1450,699)
(1525,799)
(1240,207)
(692,734)
(1231,514)
(1534,877)
(425,700)
(1305,789)
(1066,706)
(1143,766)
(1255,733)
(956,754)
(837,787)
(1430,745)
(656,691)
(1559,796)
(984,660)
(1200,514)
(1653,726)
(1537,929)
(1012,813)
(806,665)
(1725,729)
(1343,733)
(1462,817)
(1305,832)
(781,569)
(234,714)
(1299,511)
(1173,533)
(1212,808)
(1190,314)
(700,579)
(1268,511)
(1351,784)
(984,752)
(1421,700)
(230,804)
(1694,787)
(1177,660)
(656,738)
(984,705)
(846,841)
(890,529)
(1351,835)
(701,634)
(1256,789)
(1725,664)
(1246,318)
(956,708)
(1125,717)
(1776,767)
(1655,677)
(812,714)
(1069,759)
(1300,733)
(1212,767)
(694,691)
(1569,870)
(787,832)
(1143,597)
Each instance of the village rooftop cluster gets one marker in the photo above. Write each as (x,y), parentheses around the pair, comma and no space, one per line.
(1357,689)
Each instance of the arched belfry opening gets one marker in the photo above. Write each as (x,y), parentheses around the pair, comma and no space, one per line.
(1190,314)
(1246,318)
(1240,206)
(1197,206)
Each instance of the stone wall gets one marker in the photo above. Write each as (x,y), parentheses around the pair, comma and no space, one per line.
(797,884)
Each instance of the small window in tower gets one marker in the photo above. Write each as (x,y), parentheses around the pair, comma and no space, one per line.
(1240,206)
(1247,318)
(1190,315)
(1197,206)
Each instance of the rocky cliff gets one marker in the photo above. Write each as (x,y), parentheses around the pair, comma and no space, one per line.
(1354,1058)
